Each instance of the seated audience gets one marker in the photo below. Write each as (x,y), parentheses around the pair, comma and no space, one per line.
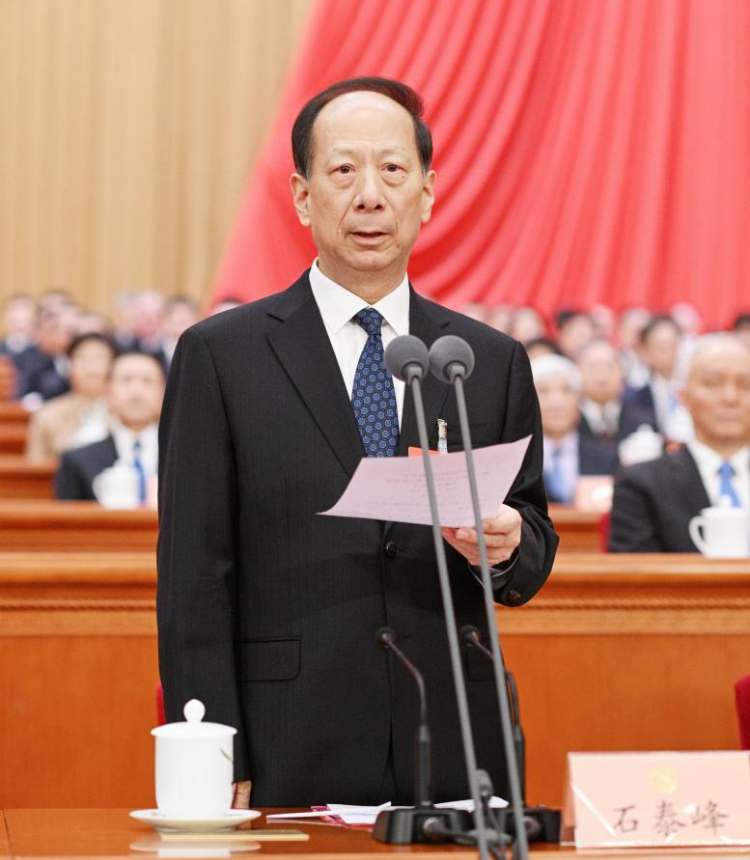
(603,412)
(541,346)
(124,312)
(658,400)
(179,314)
(45,370)
(134,394)
(149,308)
(654,502)
(568,454)
(526,324)
(79,417)
(630,324)
(574,329)
(19,326)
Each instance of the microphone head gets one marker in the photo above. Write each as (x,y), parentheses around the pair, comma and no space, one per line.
(406,357)
(451,356)
(470,634)
(385,637)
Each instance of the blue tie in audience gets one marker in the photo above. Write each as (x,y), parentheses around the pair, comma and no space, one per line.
(726,489)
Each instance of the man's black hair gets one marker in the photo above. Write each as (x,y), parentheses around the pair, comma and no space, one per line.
(142,354)
(302,131)
(90,337)
(741,321)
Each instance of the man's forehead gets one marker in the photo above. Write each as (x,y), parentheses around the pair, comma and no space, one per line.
(364,117)
(722,358)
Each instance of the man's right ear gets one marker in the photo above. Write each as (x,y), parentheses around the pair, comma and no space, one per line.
(301,196)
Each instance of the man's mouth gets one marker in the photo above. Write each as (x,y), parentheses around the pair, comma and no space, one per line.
(368,234)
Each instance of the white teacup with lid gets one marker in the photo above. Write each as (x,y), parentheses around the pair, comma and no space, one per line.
(194,766)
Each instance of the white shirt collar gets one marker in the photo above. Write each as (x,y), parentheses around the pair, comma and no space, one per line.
(709,461)
(338,305)
(567,445)
(125,439)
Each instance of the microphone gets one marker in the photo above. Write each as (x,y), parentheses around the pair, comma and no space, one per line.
(451,357)
(452,361)
(542,824)
(422,823)
(472,638)
(422,740)
(405,358)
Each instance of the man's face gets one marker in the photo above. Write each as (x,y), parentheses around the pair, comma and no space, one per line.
(558,403)
(601,372)
(575,334)
(136,389)
(717,394)
(366,196)
(661,348)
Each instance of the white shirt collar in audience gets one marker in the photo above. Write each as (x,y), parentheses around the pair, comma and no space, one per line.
(601,419)
(337,306)
(709,461)
(125,440)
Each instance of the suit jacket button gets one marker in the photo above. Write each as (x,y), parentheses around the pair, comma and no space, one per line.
(391,548)
(513,596)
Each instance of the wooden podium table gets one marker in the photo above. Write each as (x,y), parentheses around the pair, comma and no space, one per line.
(616,652)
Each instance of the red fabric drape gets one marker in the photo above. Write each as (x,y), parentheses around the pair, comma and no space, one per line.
(586,151)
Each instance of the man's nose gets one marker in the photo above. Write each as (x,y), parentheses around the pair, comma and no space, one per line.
(369,196)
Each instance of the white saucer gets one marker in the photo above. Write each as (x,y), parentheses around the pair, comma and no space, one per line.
(170,824)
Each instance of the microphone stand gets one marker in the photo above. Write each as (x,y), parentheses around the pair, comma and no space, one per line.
(423,823)
(413,380)
(455,371)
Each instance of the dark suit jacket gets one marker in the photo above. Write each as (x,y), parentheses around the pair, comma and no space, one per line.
(79,467)
(654,502)
(268,612)
(38,373)
(638,408)
(595,457)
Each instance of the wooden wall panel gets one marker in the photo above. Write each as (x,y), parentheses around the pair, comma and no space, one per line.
(129,128)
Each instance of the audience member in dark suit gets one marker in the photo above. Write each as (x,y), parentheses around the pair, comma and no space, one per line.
(654,501)
(134,395)
(267,611)
(658,402)
(44,371)
(604,412)
(568,453)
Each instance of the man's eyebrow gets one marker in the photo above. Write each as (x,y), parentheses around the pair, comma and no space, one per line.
(338,151)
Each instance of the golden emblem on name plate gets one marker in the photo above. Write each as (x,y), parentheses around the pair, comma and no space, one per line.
(662,779)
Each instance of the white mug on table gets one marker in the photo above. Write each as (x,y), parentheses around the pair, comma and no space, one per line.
(722,532)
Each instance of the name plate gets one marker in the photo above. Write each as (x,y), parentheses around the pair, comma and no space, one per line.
(657,799)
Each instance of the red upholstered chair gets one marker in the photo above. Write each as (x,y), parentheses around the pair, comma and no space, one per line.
(742,696)
(161,716)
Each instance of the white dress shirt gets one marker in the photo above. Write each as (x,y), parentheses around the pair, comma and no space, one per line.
(337,306)
(568,457)
(602,419)
(125,440)
(708,462)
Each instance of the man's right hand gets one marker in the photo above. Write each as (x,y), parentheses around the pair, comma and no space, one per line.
(241,798)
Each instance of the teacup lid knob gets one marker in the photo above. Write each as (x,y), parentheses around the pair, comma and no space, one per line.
(194,711)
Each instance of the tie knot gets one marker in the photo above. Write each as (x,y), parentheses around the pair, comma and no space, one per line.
(137,446)
(726,471)
(370,320)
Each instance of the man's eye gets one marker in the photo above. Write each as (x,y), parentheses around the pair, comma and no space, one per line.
(392,168)
(345,168)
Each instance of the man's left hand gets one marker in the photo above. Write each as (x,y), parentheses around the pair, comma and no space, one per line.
(502,534)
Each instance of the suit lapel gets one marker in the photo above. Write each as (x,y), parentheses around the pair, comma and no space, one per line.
(427,322)
(303,347)
(688,478)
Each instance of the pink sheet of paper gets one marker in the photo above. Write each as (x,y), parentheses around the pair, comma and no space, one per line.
(394,488)
(659,799)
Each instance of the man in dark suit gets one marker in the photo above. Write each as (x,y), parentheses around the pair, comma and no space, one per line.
(134,394)
(268,612)
(654,501)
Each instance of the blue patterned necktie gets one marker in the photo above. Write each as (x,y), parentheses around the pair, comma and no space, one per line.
(373,395)
(138,465)
(556,478)
(726,489)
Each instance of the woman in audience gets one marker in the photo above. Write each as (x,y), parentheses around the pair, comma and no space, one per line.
(79,417)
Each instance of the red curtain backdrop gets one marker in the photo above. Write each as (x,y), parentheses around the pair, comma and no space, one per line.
(587,150)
